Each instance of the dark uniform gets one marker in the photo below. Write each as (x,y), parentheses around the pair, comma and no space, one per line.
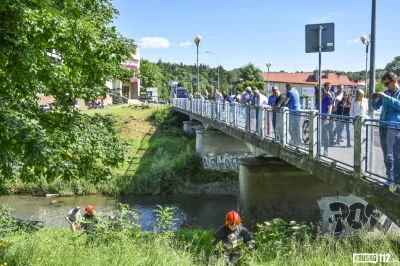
(229,241)
(89,221)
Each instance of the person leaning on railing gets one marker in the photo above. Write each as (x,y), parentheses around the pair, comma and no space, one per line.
(389,133)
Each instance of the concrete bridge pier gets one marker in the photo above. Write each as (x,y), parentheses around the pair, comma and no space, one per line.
(216,142)
(272,188)
(191,126)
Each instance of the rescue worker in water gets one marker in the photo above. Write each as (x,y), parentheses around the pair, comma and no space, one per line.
(229,237)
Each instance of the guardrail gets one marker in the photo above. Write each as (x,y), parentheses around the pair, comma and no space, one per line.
(355,147)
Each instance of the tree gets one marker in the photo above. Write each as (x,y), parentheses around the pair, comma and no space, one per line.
(251,73)
(150,74)
(65,49)
(394,66)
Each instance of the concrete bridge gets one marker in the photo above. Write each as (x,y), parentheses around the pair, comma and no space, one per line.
(298,172)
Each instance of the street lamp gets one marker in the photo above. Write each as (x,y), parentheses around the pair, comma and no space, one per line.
(197,42)
(218,64)
(268,66)
(364,41)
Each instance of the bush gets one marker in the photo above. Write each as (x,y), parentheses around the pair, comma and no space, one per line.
(8,224)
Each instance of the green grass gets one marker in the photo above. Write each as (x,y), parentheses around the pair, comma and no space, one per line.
(186,247)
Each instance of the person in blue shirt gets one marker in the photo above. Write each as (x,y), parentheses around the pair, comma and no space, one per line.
(389,133)
(292,101)
(271,100)
(326,108)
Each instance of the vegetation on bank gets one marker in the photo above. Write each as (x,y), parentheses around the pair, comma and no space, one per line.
(159,158)
(278,243)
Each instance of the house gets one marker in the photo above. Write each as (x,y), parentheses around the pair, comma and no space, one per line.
(306,81)
(129,89)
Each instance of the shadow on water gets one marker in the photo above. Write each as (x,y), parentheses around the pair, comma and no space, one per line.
(191,211)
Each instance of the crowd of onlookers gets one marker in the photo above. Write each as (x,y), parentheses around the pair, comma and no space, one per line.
(337,110)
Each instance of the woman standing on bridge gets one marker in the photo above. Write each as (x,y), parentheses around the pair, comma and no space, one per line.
(343,108)
(359,106)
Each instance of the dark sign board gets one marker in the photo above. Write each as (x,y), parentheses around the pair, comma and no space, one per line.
(327,38)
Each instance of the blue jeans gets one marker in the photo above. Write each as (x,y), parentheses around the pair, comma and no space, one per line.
(339,129)
(390,143)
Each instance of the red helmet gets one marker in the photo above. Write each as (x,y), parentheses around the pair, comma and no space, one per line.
(232,218)
(89,208)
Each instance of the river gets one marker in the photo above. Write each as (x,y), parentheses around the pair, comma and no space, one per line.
(191,211)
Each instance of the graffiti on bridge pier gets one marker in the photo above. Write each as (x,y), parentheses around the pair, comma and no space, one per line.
(224,162)
(348,213)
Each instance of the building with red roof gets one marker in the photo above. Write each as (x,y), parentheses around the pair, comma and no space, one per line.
(306,81)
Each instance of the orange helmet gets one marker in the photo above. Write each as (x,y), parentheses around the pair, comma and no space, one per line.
(89,208)
(232,218)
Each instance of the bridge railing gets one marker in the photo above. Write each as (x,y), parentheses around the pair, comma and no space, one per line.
(381,136)
(357,146)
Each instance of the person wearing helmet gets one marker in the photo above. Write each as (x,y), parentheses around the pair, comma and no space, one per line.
(72,217)
(229,237)
(89,219)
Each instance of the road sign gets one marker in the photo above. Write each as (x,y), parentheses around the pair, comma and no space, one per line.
(327,38)
(173,82)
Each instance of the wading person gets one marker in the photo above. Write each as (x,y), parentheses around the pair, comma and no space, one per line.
(229,237)
(89,219)
(72,217)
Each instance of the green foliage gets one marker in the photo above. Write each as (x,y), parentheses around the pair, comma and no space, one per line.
(277,235)
(394,66)
(258,84)
(380,87)
(66,49)
(251,73)
(198,240)
(164,218)
(8,224)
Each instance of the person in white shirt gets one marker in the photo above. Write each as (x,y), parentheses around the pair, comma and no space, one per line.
(72,217)
(359,106)
(218,96)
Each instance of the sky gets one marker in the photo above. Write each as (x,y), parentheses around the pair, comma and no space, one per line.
(258,32)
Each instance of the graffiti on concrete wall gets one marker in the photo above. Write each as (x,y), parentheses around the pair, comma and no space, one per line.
(347,213)
(224,162)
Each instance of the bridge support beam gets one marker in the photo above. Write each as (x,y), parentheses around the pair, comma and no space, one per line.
(217,142)
(190,127)
(272,188)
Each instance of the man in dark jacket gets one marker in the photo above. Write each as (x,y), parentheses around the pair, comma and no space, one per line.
(229,237)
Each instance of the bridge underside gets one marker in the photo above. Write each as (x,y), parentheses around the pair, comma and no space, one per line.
(361,187)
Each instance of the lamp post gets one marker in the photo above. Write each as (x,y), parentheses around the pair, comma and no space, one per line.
(268,66)
(218,64)
(176,82)
(197,42)
(364,41)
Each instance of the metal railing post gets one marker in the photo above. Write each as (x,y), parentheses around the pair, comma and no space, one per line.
(247,118)
(283,132)
(313,134)
(359,146)
(262,121)
(234,115)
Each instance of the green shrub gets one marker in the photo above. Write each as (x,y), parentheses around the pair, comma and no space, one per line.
(8,223)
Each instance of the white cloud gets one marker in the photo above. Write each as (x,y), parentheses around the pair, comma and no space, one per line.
(154,42)
(185,44)
(353,41)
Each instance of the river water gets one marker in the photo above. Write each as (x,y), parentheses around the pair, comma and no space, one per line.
(191,211)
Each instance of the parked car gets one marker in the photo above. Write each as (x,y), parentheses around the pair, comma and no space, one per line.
(45,107)
(98,105)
